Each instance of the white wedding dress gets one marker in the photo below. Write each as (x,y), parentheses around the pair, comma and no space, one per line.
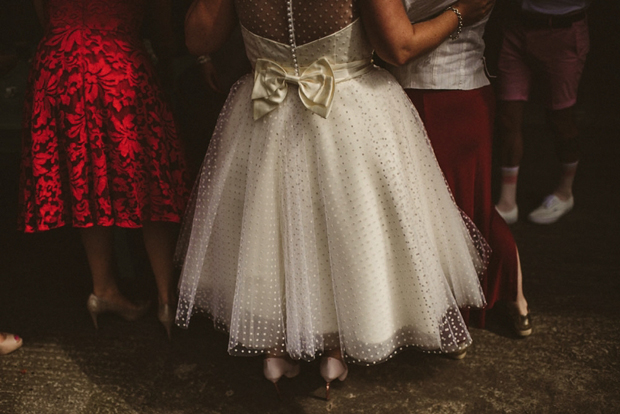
(320,218)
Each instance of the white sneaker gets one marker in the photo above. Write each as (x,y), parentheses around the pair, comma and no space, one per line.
(551,210)
(510,217)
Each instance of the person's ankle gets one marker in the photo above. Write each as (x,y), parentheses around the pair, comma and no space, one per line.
(333,353)
(563,195)
(167,299)
(505,206)
(108,293)
(521,305)
(276,353)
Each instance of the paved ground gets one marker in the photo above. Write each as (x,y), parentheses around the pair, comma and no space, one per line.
(571,364)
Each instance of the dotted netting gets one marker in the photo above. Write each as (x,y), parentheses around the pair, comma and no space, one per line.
(307,233)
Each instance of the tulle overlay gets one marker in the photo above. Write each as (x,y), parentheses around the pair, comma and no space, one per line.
(99,142)
(307,233)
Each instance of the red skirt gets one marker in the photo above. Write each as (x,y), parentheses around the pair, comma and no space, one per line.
(460,128)
(99,141)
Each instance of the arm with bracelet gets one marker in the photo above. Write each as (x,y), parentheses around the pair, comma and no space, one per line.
(397,40)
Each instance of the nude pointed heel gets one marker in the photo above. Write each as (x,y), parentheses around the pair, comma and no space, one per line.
(11,343)
(97,306)
(166,315)
(521,324)
(331,369)
(275,367)
(93,314)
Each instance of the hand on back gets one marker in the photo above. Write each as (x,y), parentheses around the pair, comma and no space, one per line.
(473,10)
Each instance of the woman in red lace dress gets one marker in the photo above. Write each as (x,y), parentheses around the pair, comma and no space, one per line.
(100,147)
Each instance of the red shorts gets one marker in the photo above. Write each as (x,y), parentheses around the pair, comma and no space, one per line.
(554,56)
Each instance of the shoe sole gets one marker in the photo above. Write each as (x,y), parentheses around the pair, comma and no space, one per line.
(457,356)
(548,220)
(510,217)
(511,221)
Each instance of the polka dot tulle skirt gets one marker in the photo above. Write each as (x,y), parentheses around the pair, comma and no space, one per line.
(307,233)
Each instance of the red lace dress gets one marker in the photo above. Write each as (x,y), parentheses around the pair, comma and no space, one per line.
(99,143)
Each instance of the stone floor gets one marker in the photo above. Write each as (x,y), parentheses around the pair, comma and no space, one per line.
(571,363)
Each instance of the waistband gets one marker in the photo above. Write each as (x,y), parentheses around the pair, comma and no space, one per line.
(341,71)
(550,21)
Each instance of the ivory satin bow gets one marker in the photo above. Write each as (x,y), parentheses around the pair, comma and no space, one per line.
(316,83)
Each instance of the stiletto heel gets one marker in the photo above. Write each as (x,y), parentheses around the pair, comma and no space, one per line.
(166,314)
(93,315)
(96,306)
(332,368)
(274,367)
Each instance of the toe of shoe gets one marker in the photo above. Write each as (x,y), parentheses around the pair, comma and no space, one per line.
(551,214)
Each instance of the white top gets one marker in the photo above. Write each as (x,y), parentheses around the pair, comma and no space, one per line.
(555,7)
(454,64)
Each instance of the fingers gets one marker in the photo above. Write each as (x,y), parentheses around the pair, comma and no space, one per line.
(213,83)
(474,10)
(211,77)
(489,7)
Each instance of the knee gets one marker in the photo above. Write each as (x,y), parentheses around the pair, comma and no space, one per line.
(510,116)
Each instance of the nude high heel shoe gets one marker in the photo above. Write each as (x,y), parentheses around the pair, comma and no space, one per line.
(166,314)
(521,324)
(274,367)
(96,306)
(332,368)
(11,343)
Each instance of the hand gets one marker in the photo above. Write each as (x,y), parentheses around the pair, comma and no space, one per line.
(473,10)
(211,77)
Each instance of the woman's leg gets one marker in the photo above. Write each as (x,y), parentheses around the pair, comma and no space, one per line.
(333,353)
(521,302)
(98,243)
(566,135)
(160,241)
(511,124)
(518,310)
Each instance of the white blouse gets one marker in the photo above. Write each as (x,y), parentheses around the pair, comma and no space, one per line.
(454,64)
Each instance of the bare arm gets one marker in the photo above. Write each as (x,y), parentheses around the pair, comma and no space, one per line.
(208,24)
(397,41)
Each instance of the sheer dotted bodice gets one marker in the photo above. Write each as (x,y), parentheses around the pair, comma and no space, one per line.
(313,18)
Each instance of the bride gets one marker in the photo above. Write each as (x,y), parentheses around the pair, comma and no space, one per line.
(321,224)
